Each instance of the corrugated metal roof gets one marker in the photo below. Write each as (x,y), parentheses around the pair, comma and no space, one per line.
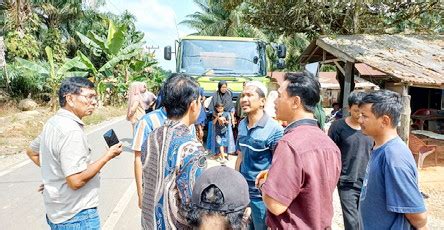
(327,80)
(415,59)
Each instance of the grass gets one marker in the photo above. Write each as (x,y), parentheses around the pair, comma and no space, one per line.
(16,133)
(104,113)
(8,109)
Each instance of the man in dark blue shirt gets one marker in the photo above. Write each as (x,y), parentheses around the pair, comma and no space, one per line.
(257,138)
(390,197)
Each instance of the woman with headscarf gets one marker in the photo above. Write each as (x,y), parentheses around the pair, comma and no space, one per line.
(139,100)
(221,96)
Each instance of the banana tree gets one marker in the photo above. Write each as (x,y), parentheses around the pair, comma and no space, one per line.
(117,50)
(113,46)
(55,72)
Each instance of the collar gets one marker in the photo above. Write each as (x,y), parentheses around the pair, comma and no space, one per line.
(295,124)
(65,113)
(261,123)
(163,111)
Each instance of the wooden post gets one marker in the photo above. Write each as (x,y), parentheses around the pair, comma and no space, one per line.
(348,79)
(404,128)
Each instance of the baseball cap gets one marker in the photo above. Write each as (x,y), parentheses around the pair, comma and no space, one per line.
(230,182)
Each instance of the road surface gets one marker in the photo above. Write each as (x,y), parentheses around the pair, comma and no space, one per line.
(21,206)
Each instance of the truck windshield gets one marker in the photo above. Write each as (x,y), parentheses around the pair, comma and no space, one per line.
(211,57)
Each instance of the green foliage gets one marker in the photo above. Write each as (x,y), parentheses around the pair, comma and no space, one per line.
(213,19)
(316,18)
(53,72)
(24,83)
(103,46)
(21,45)
(53,38)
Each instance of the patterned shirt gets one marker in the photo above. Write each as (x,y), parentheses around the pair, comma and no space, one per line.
(175,159)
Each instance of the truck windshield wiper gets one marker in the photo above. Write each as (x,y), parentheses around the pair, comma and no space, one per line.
(216,71)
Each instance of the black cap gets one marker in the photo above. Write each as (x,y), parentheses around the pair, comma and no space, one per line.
(230,182)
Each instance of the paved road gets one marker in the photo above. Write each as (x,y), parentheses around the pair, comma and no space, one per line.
(21,206)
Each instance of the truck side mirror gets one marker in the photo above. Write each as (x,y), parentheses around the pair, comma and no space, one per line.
(167,52)
(281,51)
(280,64)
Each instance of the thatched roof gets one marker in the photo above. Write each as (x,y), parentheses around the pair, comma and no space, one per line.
(413,59)
(2,53)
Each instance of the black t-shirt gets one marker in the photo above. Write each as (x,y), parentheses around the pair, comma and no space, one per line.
(355,150)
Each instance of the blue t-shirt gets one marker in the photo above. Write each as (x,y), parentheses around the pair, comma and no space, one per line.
(257,145)
(390,188)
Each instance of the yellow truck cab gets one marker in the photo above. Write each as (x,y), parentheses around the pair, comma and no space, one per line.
(211,59)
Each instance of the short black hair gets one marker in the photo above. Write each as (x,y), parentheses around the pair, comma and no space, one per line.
(218,105)
(385,102)
(306,87)
(73,85)
(179,91)
(213,195)
(355,98)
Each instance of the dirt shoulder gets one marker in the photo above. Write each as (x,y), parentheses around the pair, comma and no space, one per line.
(18,129)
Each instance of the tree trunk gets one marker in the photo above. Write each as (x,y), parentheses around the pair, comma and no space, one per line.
(357,8)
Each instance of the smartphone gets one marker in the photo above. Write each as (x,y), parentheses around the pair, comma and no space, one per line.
(111,138)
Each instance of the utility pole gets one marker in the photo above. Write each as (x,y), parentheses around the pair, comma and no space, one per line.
(149,48)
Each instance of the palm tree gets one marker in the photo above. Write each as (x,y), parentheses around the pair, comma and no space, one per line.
(212,19)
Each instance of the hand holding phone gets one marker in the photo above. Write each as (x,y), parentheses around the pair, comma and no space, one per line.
(111,138)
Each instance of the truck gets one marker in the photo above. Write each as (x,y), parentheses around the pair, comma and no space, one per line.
(236,60)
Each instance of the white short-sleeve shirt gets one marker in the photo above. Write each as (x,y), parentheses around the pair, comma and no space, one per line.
(64,151)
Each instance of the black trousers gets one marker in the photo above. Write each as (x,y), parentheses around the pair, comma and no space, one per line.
(349,195)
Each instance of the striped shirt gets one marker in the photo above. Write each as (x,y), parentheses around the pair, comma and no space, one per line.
(144,127)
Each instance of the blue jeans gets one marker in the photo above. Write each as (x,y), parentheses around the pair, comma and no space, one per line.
(258,212)
(86,219)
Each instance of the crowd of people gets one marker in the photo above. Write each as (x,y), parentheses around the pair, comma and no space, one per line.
(284,177)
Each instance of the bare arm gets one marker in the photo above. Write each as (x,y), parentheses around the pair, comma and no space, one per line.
(238,161)
(418,220)
(138,175)
(78,180)
(273,205)
(34,156)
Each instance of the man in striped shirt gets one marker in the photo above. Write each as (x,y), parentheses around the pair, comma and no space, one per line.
(257,138)
(144,127)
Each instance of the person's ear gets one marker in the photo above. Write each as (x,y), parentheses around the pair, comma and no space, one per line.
(296,102)
(193,105)
(386,121)
(262,100)
(69,98)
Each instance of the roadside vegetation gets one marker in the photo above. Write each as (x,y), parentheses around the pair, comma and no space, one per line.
(47,41)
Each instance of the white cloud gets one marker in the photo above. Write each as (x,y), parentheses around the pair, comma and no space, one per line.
(157,20)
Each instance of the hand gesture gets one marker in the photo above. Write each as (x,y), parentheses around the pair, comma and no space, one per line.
(261,177)
(115,150)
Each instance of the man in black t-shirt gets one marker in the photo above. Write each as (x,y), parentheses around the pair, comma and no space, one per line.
(355,149)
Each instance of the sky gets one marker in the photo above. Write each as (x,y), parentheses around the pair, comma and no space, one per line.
(159,20)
